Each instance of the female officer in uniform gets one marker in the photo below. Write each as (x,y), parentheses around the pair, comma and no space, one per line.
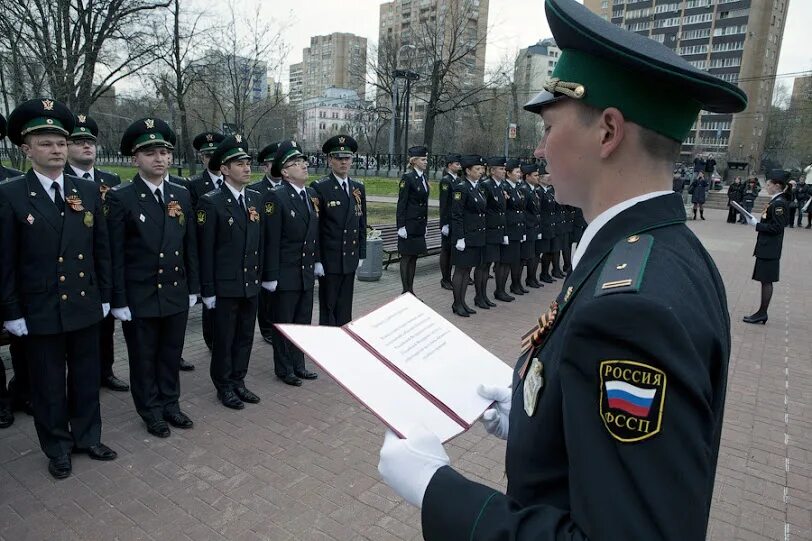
(530,255)
(412,215)
(468,232)
(511,260)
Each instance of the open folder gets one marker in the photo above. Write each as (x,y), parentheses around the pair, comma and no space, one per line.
(741,209)
(408,365)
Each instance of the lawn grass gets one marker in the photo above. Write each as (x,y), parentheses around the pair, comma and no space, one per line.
(384,213)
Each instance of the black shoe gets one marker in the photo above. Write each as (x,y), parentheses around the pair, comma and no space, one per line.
(534,284)
(305,374)
(445,284)
(808,227)
(546,278)
(504,297)
(115,384)
(459,310)
(468,309)
(517,291)
(290,379)
(186,367)
(246,396)
(6,416)
(98,452)
(489,302)
(479,303)
(178,419)
(158,428)
(60,467)
(231,400)
(755,318)
(558,274)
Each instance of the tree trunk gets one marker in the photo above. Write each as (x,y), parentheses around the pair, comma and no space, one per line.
(431,106)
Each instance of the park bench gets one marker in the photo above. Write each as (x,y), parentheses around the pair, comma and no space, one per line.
(389,236)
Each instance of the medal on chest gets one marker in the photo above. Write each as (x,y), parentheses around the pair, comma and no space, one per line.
(532,386)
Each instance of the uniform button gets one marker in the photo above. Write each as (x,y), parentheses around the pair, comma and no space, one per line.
(245,269)
(61,259)
(256,281)
(61,278)
(161,254)
(64,297)
(353,242)
(352,253)
(81,275)
(160,271)
(302,267)
(255,252)
(177,252)
(80,256)
(177,269)
(174,283)
(159,286)
(82,293)
(246,284)
(256,267)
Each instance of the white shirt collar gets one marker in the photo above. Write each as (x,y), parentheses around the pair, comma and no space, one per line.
(237,193)
(152,187)
(512,184)
(215,177)
(776,195)
(604,217)
(274,181)
(81,172)
(298,190)
(473,182)
(341,180)
(47,182)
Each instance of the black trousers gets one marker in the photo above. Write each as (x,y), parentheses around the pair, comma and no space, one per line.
(5,395)
(234,322)
(265,312)
(291,307)
(19,387)
(107,328)
(65,417)
(208,326)
(335,299)
(155,346)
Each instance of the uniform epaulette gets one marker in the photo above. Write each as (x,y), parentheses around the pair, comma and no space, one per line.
(209,194)
(625,266)
(250,189)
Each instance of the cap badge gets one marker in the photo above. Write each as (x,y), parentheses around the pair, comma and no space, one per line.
(150,123)
(48,105)
(342,139)
(238,138)
(82,118)
(293,144)
(209,137)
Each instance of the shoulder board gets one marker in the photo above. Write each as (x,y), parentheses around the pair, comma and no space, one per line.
(321,180)
(361,182)
(625,266)
(253,191)
(210,194)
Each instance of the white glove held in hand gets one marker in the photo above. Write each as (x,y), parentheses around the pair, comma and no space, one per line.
(17,327)
(270,286)
(408,465)
(105,309)
(318,270)
(360,262)
(444,230)
(460,245)
(538,236)
(122,314)
(496,419)
(751,220)
(210,302)
(192,300)
(402,232)
(505,240)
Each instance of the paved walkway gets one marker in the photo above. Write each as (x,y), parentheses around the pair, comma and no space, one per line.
(303,463)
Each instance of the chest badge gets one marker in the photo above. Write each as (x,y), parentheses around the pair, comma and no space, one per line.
(292,213)
(142,218)
(30,219)
(532,386)
(231,220)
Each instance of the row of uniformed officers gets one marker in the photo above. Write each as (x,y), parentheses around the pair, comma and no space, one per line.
(79,249)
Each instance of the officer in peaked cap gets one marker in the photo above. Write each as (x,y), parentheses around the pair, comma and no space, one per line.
(530,185)
(450,178)
(496,236)
(155,278)
(468,229)
(82,164)
(230,247)
(342,231)
(57,285)
(412,215)
(615,413)
(210,179)
(291,214)
(271,180)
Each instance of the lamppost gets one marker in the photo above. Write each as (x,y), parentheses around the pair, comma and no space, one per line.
(410,76)
(394,127)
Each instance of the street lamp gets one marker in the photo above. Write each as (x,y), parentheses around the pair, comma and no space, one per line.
(394,126)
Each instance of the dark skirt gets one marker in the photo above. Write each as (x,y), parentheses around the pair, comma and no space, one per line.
(510,253)
(491,253)
(412,246)
(542,246)
(528,249)
(469,258)
(766,270)
(446,242)
(556,243)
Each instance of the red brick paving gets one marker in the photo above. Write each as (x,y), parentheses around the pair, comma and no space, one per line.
(303,463)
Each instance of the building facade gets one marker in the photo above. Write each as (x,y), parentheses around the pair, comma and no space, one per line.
(296,84)
(737,40)
(338,110)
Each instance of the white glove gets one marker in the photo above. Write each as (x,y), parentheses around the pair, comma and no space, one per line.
(402,232)
(318,270)
(360,262)
(122,314)
(496,419)
(460,245)
(270,286)
(751,220)
(427,230)
(105,309)
(524,238)
(444,230)
(505,240)
(192,300)
(538,237)
(408,465)
(17,327)
(210,302)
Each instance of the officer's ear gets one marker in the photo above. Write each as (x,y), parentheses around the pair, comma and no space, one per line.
(224,170)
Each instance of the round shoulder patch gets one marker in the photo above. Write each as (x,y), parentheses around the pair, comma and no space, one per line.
(632,397)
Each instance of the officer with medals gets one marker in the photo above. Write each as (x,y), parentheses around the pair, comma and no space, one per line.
(527,186)
(468,230)
(17,393)
(496,236)
(447,183)
(770,241)
(342,231)
(547,223)
(511,255)
(292,257)
(230,245)
(155,279)
(614,418)
(412,215)
(81,163)
(270,181)
(56,283)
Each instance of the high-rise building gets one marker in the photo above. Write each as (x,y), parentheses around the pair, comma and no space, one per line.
(428,23)
(533,66)
(801,93)
(337,60)
(295,80)
(737,40)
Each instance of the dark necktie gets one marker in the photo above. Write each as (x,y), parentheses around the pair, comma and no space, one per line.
(87,176)
(346,187)
(58,201)
(241,203)
(304,200)
(158,197)
(218,183)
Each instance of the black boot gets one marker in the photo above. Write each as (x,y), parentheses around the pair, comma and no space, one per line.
(445,269)
(694,214)
(702,213)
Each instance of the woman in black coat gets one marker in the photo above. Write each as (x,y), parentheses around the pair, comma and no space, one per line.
(699,190)
(735,192)
(468,225)
(750,193)
(532,213)
(510,259)
(412,215)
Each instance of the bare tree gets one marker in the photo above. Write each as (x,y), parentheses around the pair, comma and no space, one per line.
(84,46)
